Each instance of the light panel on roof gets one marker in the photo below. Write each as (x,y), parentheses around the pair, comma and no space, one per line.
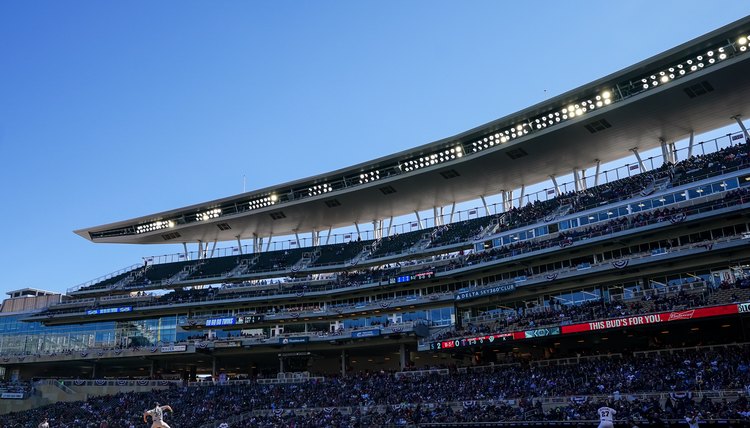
(157,225)
(367,177)
(606,97)
(435,158)
(319,189)
(208,215)
(263,202)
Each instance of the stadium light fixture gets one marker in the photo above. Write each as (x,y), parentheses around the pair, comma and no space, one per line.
(367,177)
(157,225)
(319,189)
(208,215)
(444,155)
(262,202)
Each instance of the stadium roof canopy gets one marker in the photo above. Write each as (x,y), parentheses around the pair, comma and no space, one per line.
(698,86)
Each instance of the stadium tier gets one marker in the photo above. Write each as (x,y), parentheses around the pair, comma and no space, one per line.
(368,297)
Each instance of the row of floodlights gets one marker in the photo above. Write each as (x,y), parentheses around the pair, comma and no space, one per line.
(688,66)
(208,215)
(319,189)
(543,121)
(369,176)
(156,225)
(605,97)
(265,201)
(433,159)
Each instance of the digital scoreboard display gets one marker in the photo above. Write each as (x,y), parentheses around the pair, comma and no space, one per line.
(470,341)
(249,319)
(412,277)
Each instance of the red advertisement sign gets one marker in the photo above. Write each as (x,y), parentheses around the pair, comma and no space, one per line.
(662,317)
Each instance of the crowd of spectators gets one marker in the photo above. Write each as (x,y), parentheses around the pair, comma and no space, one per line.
(16,387)
(513,393)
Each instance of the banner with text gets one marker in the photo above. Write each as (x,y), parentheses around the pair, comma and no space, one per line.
(662,317)
(498,289)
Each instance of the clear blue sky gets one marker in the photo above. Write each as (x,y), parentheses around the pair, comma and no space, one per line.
(111,110)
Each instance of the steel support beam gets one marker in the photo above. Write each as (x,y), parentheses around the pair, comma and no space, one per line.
(742,126)
(638,156)
(596,174)
(554,183)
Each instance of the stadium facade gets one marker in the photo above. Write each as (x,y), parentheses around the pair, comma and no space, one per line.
(651,254)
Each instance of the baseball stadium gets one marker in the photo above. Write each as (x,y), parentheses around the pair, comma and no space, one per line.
(467,282)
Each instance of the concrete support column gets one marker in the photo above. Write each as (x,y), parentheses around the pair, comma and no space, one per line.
(436,216)
(213,368)
(193,376)
(672,149)
(281,364)
(582,183)
(507,200)
(402,357)
(315,236)
(520,197)
(343,363)
(596,174)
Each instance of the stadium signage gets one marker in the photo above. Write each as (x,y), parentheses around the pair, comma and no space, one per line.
(471,341)
(293,340)
(366,333)
(412,277)
(541,332)
(218,322)
(637,320)
(651,319)
(473,294)
(109,310)
(173,348)
(11,395)
(249,319)
(232,344)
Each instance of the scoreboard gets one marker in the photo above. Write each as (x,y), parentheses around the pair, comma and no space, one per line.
(412,277)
